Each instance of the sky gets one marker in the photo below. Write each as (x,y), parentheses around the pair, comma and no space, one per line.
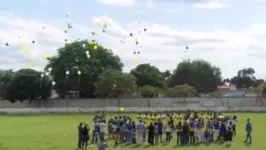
(230,34)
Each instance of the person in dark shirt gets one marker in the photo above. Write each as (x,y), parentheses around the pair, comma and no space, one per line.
(222,132)
(185,133)
(85,140)
(151,133)
(160,130)
(80,135)
(179,132)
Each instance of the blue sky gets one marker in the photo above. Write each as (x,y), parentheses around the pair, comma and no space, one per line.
(228,33)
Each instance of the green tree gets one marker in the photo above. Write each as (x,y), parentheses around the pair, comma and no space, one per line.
(198,73)
(113,83)
(184,91)
(148,91)
(167,74)
(28,85)
(6,77)
(245,79)
(81,56)
(148,75)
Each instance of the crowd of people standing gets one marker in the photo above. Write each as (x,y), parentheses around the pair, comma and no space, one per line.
(189,128)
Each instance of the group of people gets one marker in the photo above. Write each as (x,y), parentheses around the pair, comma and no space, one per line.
(188,128)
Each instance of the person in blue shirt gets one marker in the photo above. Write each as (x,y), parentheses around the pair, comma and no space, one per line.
(248,131)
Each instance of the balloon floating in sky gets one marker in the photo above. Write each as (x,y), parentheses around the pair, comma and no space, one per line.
(187,47)
(19,37)
(79,73)
(67,72)
(65,40)
(7,44)
(33,41)
(131,34)
(103,30)
(136,52)
(67,15)
(93,33)
(65,31)
(137,43)
(145,29)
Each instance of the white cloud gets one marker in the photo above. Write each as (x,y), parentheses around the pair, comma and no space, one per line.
(118,2)
(209,5)
(162,45)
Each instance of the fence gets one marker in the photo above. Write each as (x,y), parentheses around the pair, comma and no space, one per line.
(129,109)
(139,102)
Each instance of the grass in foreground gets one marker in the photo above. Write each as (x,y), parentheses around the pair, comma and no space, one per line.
(59,132)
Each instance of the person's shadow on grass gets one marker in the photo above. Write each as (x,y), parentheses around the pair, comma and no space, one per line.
(147,146)
(136,146)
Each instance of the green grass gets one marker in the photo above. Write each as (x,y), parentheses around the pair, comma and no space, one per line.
(59,132)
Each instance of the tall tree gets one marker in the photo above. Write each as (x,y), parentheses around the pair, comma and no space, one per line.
(6,77)
(28,85)
(245,79)
(148,75)
(198,73)
(113,83)
(84,61)
(167,74)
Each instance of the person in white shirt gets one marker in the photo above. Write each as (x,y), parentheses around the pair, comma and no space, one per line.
(168,130)
(140,128)
(102,129)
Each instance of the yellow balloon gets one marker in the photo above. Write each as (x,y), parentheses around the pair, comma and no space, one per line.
(95,47)
(121,109)
(27,65)
(79,73)
(139,23)
(65,31)
(43,57)
(136,61)
(41,67)
(136,39)
(26,51)
(31,60)
(20,48)
(19,37)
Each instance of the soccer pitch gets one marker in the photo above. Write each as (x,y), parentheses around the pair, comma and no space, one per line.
(59,132)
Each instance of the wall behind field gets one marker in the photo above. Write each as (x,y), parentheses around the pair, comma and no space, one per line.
(138,102)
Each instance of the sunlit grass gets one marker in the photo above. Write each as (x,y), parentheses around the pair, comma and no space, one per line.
(59,132)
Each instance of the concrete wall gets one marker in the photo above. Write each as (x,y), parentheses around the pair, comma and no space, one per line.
(138,102)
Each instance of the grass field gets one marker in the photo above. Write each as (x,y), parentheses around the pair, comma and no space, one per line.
(59,132)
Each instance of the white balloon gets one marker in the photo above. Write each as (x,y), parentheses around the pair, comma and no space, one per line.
(83,45)
(53,83)
(87,52)
(47,73)
(42,75)
(67,72)
(49,69)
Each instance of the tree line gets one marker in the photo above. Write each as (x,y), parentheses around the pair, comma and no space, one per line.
(95,72)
